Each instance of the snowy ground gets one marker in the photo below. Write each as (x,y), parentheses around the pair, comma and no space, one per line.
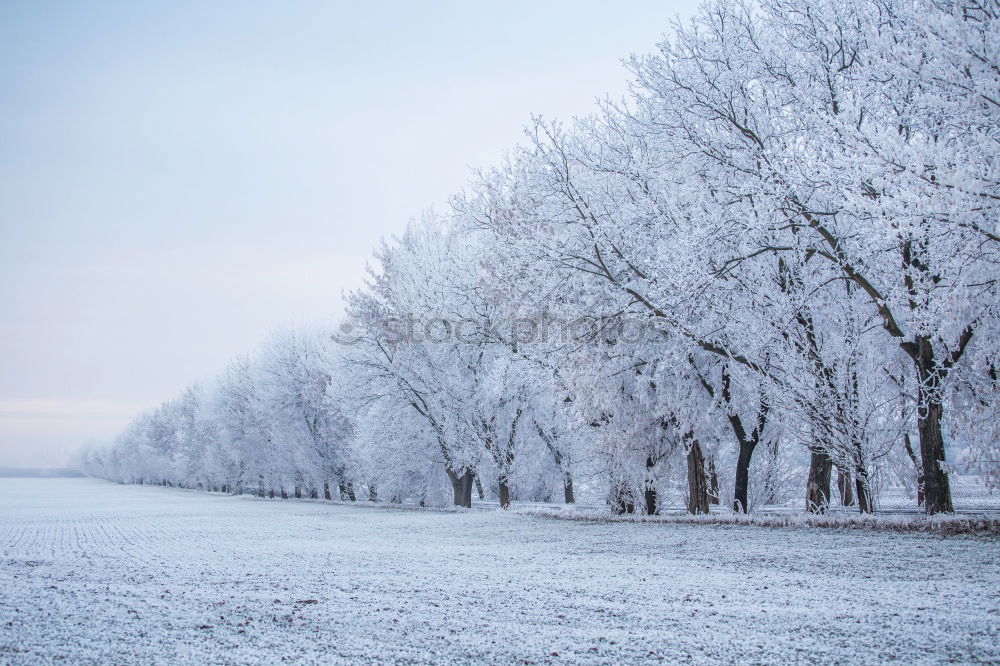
(94,572)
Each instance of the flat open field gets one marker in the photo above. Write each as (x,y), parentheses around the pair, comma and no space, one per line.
(92,572)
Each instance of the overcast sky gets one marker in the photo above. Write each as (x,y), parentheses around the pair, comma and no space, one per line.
(177,178)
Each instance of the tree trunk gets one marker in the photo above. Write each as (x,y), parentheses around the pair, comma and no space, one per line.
(650,497)
(697,481)
(462,485)
(568,488)
(740,504)
(504,493)
(456,486)
(937,489)
(373,493)
(713,482)
(298,492)
(818,485)
(468,481)
(284,495)
(349,487)
(326,490)
(864,492)
(846,487)
(479,488)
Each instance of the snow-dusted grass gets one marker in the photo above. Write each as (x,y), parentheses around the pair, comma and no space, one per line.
(92,572)
(982,525)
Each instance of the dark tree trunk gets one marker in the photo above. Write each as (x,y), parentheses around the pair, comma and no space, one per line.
(864,492)
(462,485)
(468,481)
(747,442)
(326,490)
(713,482)
(349,487)
(818,485)
(373,493)
(298,493)
(313,493)
(697,481)
(504,493)
(479,488)
(284,494)
(930,373)
(270,493)
(649,495)
(568,488)
(846,487)
(740,504)
(937,489)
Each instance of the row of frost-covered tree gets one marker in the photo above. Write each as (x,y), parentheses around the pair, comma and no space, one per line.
(770,271)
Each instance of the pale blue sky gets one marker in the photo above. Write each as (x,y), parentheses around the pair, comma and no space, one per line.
(176,178)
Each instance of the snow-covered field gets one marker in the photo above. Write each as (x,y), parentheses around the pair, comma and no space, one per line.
(92,572)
